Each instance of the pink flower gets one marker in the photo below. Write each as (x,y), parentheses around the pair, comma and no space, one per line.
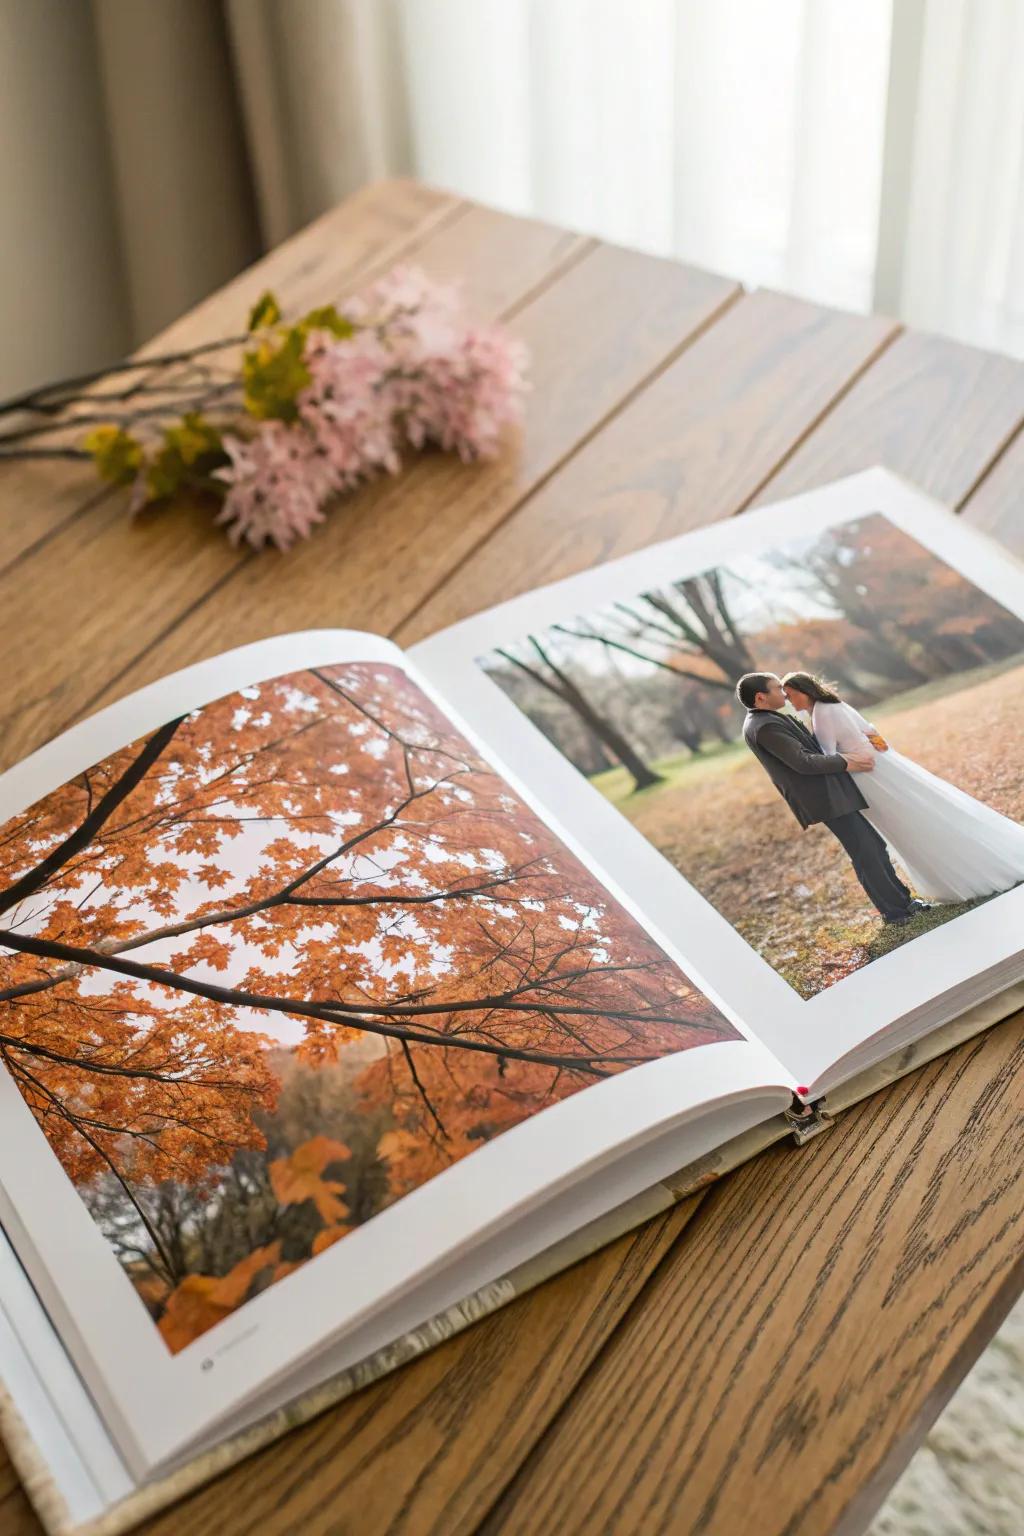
(464,400)
(402,295)
(483,395)
(414,372)
(277,484)
(450,383)
(347,408)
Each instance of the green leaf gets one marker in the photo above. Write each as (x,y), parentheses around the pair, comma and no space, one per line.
(164,475)
(327,318)
(275,376)
(265,311)
(195,438)
(117,455)
(190,449)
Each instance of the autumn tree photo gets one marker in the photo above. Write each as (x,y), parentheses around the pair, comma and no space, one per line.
(290,956)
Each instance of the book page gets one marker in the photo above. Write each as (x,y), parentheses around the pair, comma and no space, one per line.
(822,910)
(303,1000)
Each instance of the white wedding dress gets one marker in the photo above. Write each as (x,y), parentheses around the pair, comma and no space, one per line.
(952,846)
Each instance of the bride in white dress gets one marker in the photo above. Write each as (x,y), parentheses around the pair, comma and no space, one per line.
(952,846)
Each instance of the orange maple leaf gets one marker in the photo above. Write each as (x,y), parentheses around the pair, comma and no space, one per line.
(328,1237)
(300,1177)
(190,1311)
(202,1301)
(231,1289)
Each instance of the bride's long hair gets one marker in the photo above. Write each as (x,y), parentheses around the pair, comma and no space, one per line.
(815,688)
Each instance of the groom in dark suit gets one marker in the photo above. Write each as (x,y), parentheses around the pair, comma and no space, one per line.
(818,786)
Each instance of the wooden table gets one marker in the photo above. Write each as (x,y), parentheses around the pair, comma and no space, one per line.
(767,1356)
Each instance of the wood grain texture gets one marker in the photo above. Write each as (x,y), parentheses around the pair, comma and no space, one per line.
(694,446)
(17,1517)
(799,1330)
(933,410)
(604,323)
(996,505)
(426,1452)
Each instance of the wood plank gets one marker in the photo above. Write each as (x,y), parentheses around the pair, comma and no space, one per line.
(786,1349)
(497,258)
(931,409)
(996,505)
(378,224)
(374,226)
(60,648)
(596,334)
(17,1517)
(695,446)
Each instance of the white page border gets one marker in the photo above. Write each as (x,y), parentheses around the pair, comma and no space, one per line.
(156,1403)
(807,1035)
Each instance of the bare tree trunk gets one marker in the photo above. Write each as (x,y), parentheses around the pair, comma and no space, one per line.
(562,686)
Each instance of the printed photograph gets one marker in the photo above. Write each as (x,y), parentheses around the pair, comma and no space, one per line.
(822,738)
(277,965)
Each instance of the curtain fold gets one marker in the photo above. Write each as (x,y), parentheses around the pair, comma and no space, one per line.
(63,294)
(857,155)
(962,268)
(322,90)
(740,136)
(185,210)
(149,151)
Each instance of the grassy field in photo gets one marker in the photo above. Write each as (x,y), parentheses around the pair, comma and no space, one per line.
(793,894)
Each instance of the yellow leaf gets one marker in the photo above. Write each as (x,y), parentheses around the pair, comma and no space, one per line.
(274,376)
(190,1311)
(201,1302)
(117,455)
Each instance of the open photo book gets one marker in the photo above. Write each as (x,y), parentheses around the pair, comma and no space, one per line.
(346,992)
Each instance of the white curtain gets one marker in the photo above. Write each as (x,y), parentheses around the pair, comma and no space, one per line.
(741,135)
(867,155)
(861,154)
(960,219)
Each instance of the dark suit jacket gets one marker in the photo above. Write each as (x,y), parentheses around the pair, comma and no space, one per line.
(816,785)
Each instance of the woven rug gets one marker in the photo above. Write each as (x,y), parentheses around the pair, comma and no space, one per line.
(968,1477)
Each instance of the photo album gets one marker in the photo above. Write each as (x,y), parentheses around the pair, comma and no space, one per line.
(348,992)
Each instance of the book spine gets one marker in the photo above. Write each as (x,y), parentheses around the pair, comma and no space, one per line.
(33,1472)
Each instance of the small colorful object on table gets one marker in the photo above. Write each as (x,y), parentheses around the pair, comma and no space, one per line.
(315,407)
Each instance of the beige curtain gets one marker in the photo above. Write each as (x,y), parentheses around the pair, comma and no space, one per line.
(857,155)
(149,149)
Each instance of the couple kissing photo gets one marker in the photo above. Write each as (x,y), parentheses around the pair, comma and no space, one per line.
(951,848)
(833,812)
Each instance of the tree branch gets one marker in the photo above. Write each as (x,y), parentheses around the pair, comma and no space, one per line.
(652,661)
(101,812)
(19,1070)
(424,1095)
(365,1016)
